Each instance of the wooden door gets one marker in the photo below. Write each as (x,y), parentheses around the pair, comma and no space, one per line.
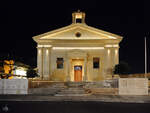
(77,73)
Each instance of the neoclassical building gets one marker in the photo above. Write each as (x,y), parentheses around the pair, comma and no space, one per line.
(77,52)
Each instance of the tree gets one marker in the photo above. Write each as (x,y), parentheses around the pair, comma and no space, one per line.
(122,68)
(31,73)
(6,68)
(32,62)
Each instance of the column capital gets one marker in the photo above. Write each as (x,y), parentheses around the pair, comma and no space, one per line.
(43,46)
(111,47)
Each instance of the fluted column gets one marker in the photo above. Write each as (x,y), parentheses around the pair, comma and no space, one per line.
(46,62)
(116,55)
(40,61)
(85,78)
(68,70)
(112,57)
(108,63)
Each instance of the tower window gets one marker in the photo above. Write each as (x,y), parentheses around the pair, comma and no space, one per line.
(78,17)
(96,62)
(60,62)
(78,20)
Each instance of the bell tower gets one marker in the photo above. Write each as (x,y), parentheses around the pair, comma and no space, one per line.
(78,17)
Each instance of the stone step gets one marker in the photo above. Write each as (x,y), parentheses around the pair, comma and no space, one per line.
(71,94)
(72,90)
(49,89)
(42,91)
(55,87)
(103,91)
(75,84)
(58,87)
(58,84)
(66,91)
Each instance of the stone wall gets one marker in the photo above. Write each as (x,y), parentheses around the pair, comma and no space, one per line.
(133,86)
(14,86)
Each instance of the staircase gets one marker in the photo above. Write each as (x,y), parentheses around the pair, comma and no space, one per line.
(73,89)
(48,90)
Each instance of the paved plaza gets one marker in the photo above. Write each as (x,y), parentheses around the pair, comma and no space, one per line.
(73,107)
(100,98)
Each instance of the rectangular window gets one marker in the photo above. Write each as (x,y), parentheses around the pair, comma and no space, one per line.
(60,62)
(95,62)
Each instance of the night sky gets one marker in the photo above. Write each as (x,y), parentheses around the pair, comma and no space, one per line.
(21,20)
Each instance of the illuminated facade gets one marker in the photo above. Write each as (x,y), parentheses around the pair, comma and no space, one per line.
(77,52)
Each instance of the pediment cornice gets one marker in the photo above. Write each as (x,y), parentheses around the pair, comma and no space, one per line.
(68,33)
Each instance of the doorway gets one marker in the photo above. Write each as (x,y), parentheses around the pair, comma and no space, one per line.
(77,73)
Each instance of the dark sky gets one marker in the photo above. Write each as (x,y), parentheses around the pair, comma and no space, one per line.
(21,20)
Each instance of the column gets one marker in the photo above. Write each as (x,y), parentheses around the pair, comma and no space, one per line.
(116,55)
(68,70)
(46,62)
(85,78)
(40,61)
(115,58)
(112,57)
(108,63)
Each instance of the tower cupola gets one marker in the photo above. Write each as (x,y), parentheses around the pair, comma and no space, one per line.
(78,17)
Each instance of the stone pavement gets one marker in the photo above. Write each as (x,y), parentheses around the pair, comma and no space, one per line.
(100,98)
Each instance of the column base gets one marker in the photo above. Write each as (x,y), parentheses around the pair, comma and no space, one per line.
(46,77)
(85,79)
(68,78)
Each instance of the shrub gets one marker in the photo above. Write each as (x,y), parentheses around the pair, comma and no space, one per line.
(31,73)
(122,68)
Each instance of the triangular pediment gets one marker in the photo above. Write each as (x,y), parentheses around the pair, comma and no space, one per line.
(76,32)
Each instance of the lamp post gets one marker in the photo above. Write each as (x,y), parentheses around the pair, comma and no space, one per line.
(145,58)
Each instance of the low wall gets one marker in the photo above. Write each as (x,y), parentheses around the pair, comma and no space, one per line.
(14,86)
(133,86)
(112,83)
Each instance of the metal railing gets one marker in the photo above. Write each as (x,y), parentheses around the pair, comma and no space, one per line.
(113,83)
